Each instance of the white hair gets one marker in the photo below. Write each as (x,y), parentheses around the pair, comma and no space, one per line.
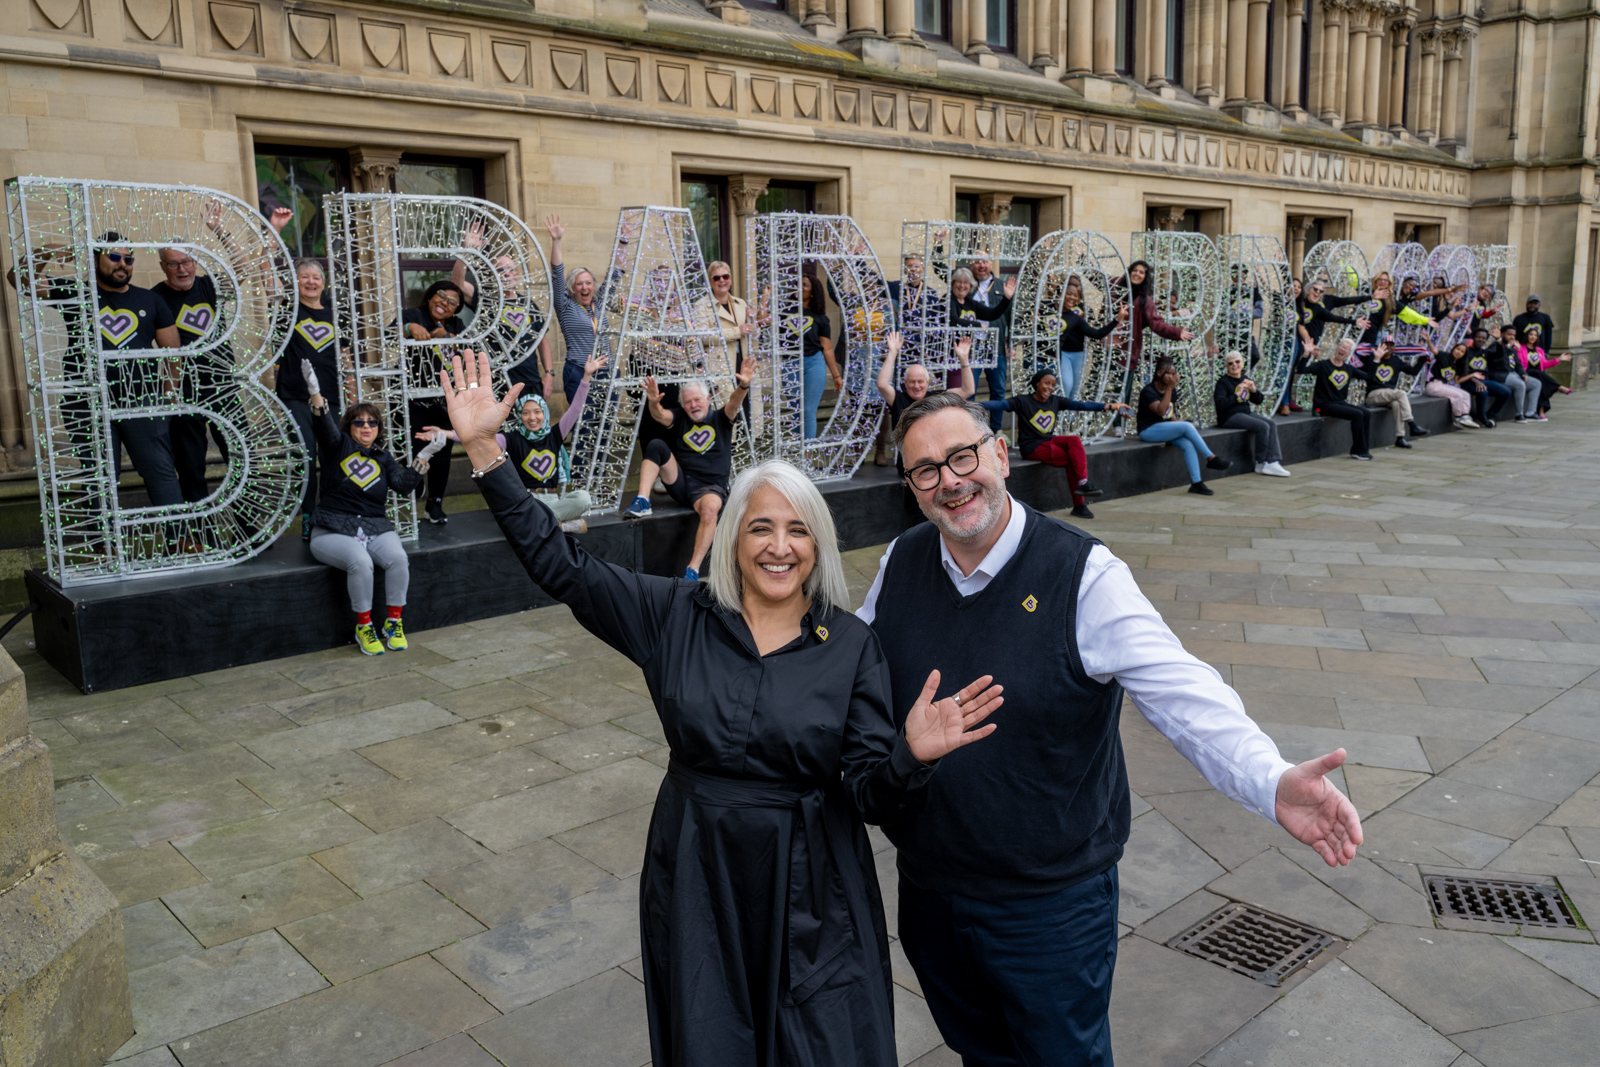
(695,383)
(825,584)
(1234,354)
(962,274)
(1346,345)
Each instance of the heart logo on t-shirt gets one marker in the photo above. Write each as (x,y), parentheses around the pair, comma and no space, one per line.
(1054,324)
(1385,373)
(196,318)
(1447,374)
(798,323)
(317,334)
(1043,421)
(1339,378)
(700,438)
(540,464)
(361,470)
(118,326)
(1241,392)
(516,318)
(1478,363)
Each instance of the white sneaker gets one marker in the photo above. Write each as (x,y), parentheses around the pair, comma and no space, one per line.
(575,526)
(1467,422)
(1261,468)
(1277,470)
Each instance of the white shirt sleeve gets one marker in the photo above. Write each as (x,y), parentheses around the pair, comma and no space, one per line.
(869,607)
(1122,636)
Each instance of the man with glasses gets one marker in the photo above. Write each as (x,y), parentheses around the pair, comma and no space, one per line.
(1008,878)
(1315,312)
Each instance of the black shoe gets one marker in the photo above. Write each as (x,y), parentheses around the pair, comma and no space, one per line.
(1401,442)
(1488,423)
(436,513)
(1361,455)
(1201,489)
(1413,430)
(1082,512)
(1088,488)
(1217,463)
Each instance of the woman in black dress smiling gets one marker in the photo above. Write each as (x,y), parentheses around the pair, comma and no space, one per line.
(763,931)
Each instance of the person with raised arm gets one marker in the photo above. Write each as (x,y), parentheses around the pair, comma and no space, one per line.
(762,928)
(916,381)
(529,364)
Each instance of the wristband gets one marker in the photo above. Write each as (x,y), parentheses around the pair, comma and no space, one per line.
(491,465)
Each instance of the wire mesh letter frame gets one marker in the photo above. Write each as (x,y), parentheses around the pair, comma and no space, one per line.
(777,248)
(657,319)
(1259,315)
(368,235)
(78,386)
(1188,286)
(925,309)
(1342,268)
(1036,319)
(1493,262)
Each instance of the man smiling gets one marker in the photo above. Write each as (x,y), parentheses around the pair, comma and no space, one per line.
(1008,878)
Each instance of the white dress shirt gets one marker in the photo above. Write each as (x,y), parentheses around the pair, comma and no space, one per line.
(1122,636)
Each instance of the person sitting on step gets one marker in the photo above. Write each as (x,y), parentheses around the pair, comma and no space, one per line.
(1233,396)
(1157,402)
(1441,382)
(1385,368)
(1330,397)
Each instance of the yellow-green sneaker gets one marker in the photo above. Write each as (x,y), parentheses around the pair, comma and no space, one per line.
(394,635)
(367,638)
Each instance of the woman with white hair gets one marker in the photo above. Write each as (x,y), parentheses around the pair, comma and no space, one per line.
(1233,396)
(763,932)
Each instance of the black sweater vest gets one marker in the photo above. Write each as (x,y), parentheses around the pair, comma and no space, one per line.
(1042,803)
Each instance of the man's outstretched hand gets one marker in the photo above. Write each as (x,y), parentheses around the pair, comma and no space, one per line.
(1316,813)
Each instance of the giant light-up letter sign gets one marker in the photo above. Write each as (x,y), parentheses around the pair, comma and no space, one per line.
(1453,265)
(1492,262)
(657,319)
(1258,315)
(934,251)
(778,248)
(1093,262)
(1342,268)
(80,382)
(1187,284)
(368,236)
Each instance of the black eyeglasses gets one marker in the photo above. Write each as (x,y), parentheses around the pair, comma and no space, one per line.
(365,422)
(119,257)
(962,462)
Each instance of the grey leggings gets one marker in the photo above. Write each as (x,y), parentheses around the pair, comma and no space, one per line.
(1267,450)
(345,553)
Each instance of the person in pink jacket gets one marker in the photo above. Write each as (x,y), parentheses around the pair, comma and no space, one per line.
(1535,361)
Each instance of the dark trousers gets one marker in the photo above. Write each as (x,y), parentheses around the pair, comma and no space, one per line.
(1360,420)
(1548,387)
(1014,982)
(149,445)
(1266,431)
(300,411)
(188,433)
(1492,399)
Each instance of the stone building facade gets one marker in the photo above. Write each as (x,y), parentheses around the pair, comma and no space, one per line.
(1306,118)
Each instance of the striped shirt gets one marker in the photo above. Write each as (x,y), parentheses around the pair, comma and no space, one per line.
(577,322)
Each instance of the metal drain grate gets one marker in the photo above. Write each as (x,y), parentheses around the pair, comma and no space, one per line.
(1493,901)
(1253,943)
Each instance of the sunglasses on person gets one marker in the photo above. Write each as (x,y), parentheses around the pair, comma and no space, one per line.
(365,422)
(120,257)
(721,277)
(962,462)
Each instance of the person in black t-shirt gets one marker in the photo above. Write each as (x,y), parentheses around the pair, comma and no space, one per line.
(1038,423)
(1384,391)
(1076,333)
(1533,316)
(697,459)
(1441,382)
(311,340)
(1157,401)
(434,320)
(1331,395)
(916,381)
(1315,310)
(126,319)
(535,369)
(1472,374)
(1233,396)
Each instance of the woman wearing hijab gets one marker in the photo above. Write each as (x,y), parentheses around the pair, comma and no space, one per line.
(762,928)
(536,449)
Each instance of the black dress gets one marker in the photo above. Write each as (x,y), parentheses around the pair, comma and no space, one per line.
(762,925)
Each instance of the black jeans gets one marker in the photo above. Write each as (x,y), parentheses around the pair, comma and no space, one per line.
(1267,450)
(188,434)
(1360,420)
(300,411)
(149,445)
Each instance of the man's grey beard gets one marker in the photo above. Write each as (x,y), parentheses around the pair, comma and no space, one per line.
(993,498)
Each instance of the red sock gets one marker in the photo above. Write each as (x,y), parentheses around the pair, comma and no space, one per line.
(395,610)
(363,618)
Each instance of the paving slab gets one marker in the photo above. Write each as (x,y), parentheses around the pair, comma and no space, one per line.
(1374,889)
(1580,809)
(1167,1008)
(593,746)
(1154,766)
(1227,831)
(530,958)
(81,798)
(386,861)
(350,732)
(1335,1018)
(916,1035)
(1531,764)
(521,882)
(95,757)
(1574,713)
(1565,1040)
(1494,811)
(1309,636)
(405,757)
(191,993)
(507,822)
(230,908)
(1375,788)
(596,1023)
(458,1051)
(350,669)
(589,704)
(616,844)
(362,1023)
(494,698)
(1275,883)
(1394,751)
(303,783)
(1159,867)
(1459,981)
(1384,716)
(259,688)
(1545,851)
(312,708)
(1577,963)
(156,1057)
(394,803)
(269,839)
(151,934)
(371,934)
(464,673)
(1406,838)
(143,874)
(1456,693)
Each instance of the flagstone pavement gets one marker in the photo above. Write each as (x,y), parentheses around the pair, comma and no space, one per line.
(431,859)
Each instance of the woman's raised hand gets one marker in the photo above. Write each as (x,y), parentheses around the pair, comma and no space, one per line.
(938,728)
(554,226)
(475,414)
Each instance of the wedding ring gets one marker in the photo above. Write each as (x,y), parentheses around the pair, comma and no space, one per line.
(958,700)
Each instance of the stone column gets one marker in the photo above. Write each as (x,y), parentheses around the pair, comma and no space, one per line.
(743,190)
(1299,228)
(730,11)
(372,169)
(900,21)
(993,207)
(1044,35)
(978,28)
(1256,57)
(1155,33)
(1427,81)
(817,15)
(1355,106)
(1449,103)
(1105,38)
(1294,27)
(1332,32)
(863,18)
(1205,79)
(1080,37)
(1375,33)
(1238,49)
(63,972)
(1167,218)
(1397,75)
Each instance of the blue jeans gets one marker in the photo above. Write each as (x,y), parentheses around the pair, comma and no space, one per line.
(996,377)
(814,381)
(1499,392)
(1021,981)
(1070,374)
(1186,437)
